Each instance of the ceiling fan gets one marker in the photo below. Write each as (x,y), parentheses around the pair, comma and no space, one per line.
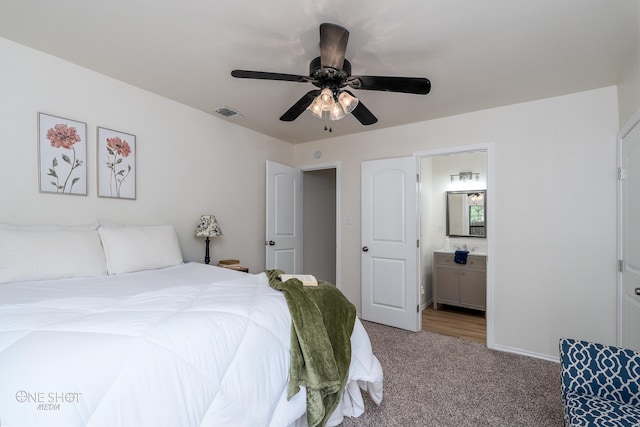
(331,73)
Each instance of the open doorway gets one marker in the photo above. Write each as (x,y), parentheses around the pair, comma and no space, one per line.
(319,223)
(302,229)
(459,291)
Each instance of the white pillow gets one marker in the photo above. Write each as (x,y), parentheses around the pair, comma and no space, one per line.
(40,253)
(135,248)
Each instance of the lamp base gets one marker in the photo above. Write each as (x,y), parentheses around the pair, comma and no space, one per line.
(206,251)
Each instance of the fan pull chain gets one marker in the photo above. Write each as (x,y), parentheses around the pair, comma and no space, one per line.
(327,128)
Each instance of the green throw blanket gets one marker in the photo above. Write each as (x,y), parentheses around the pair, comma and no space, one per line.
(322,322)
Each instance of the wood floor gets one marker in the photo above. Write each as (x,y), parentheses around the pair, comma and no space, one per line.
(458,322)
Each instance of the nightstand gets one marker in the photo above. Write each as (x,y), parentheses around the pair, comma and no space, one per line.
(235,267)
(232,264)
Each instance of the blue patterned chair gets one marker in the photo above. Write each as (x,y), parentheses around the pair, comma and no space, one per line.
(600,384)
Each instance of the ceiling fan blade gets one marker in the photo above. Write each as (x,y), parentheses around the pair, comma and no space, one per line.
(415,85)
(333,45)
(298,108)
(363,114)
(263,75)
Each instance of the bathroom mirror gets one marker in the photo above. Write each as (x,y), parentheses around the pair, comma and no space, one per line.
(466,213)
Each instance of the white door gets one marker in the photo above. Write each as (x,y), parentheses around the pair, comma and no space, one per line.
(389,243)
(283,239)
(629,239)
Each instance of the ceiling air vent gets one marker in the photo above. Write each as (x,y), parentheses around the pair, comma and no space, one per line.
(228,112)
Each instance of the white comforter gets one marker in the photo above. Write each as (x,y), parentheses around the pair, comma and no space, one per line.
(191,345)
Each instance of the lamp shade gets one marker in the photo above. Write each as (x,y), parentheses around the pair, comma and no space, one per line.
(336,112)
(316,108)
(347,102)
(337,105)
(208,227)
(326,98)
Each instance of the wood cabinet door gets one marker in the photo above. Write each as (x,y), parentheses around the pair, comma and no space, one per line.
(447,285)
(473,287)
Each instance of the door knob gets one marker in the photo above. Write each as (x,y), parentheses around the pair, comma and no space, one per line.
(637,291)
(270,242)
(365,249)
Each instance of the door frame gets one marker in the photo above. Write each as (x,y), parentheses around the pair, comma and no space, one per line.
(489,149)
(332,165)
(624,131)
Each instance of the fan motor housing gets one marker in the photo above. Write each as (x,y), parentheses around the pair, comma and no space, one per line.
(329,76)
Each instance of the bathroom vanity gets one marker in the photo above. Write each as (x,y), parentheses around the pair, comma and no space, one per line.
(462,285)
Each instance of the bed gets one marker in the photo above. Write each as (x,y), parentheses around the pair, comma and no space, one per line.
(139,338)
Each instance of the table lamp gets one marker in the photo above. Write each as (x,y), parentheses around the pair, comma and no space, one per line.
(208,227)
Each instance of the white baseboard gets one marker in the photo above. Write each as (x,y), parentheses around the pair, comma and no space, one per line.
(426,304)
(504,348)
(527,353)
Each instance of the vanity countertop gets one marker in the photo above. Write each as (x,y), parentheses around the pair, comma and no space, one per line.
(452,251)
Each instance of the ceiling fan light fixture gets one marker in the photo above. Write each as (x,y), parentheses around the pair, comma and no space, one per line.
(326,98)
(326,101)
(330,72)
(316,107)
(347,102)
(336,112)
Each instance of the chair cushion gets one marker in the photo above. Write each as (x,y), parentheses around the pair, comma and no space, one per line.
(600,370)
(580,410)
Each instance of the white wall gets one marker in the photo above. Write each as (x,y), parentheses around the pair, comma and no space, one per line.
(554,219)
(629,82)
(188,163)
(554,189)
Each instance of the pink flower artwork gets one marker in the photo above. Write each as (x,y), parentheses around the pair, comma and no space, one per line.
(119,146)
(63,138)
(117,159)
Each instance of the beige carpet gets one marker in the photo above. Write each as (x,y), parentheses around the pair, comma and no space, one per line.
(435,380)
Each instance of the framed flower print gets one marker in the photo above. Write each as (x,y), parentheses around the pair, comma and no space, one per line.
(116,164)
(62,153)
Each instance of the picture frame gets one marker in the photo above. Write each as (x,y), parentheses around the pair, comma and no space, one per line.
(116,158)
(62,155)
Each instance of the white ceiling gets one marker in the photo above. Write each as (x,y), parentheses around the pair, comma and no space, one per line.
(477,53)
